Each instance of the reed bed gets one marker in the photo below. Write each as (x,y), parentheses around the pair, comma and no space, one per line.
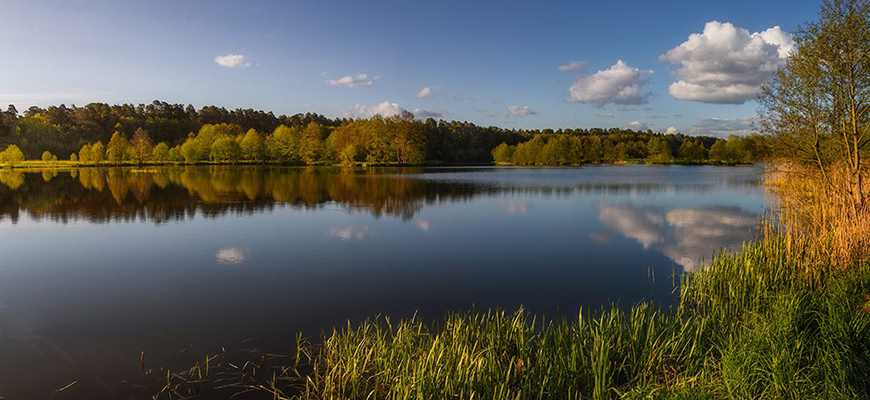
(819,216)
(787,316)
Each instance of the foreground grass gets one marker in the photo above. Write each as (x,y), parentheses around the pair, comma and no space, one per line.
(753,324)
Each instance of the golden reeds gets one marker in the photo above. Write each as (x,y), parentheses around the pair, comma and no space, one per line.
(818,217)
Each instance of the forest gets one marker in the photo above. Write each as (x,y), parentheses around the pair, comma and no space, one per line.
(161,132)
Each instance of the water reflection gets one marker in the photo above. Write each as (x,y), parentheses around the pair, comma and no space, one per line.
(230,255)
(97,265)
(685,235)
(357,232)
(169,194)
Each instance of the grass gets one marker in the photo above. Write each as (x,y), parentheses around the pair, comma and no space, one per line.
(783,318)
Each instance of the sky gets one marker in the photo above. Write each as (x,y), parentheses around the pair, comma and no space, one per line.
(678,66)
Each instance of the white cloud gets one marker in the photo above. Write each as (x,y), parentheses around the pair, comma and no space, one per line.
(604,115)
(385,109)
(425,92)
(512,111)
(352,81)
(637,126)
(232,61)
(573,66)
(671,130)
(723,127)
(424,114)
(621,84)
(726,64)
(520,111)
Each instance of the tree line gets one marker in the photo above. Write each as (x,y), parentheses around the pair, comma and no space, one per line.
(161,132)
(647,147)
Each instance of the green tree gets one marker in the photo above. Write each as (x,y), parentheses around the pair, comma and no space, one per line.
(311,143)
(252,146)
(503,154)
(692,151)
(226,149)
(658,150)
(283,144)
(718,153)
(12,155)
(116,149)
(85,153)
(97,152)
(175,154)
(818,107)
(160,152)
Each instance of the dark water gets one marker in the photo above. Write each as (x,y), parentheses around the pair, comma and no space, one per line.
(99,265)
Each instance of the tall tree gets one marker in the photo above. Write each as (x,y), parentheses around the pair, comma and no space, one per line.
(818,107)
(140,148)
(252,146)
(116,149)
(311,142)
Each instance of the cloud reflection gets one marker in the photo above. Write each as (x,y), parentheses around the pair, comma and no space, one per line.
(357,232)
(517,208)
(685,235)
(643,225)
(423,224)
(230,255)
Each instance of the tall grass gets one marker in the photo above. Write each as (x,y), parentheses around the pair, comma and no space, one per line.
(785,317)
(819,216)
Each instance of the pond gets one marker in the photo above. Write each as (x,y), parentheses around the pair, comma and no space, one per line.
(99,265)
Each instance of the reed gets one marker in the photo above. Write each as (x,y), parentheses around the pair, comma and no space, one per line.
(819,215)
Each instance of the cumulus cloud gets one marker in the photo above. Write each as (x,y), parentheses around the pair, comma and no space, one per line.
(726,64)
(425,92)
(352,81)
(637,126)
(723,127)
(232,61)
(512,111)
(520,111)
(573,66)
(620,84)
(385,109)
(424,114)
(671,130)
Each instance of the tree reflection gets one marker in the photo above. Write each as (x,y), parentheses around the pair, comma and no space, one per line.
(166,194)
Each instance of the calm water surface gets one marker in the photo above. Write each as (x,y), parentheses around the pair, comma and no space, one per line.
(99,265)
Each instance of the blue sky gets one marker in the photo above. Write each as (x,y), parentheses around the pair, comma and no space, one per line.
(491,63)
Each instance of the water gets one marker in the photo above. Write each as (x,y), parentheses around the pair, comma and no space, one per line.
(97,266)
